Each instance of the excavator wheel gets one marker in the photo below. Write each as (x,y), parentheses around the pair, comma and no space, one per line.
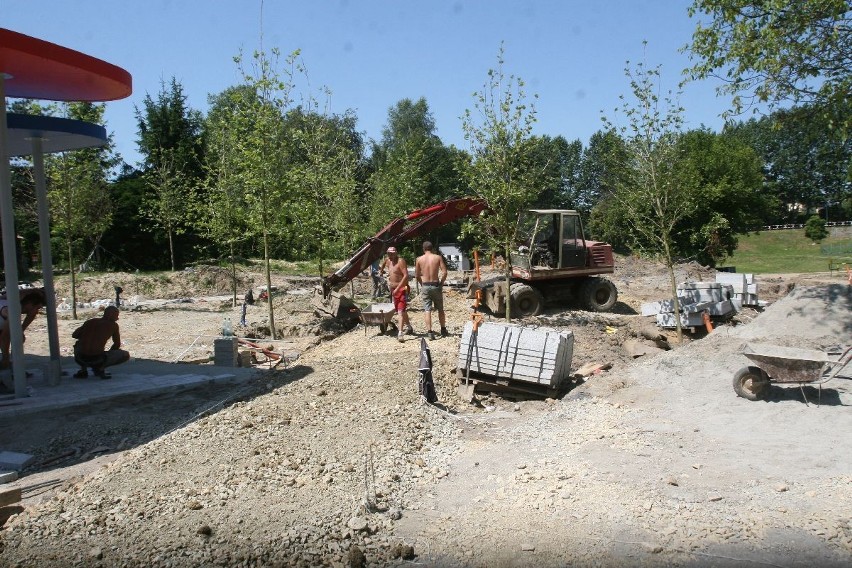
(598,294)
(526,300)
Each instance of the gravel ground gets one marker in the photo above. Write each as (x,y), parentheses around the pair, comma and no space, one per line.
(335,461)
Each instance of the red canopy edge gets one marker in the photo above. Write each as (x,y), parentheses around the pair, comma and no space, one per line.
(43,70)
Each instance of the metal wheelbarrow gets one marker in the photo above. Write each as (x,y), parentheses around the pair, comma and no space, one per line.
(380,315)
(774,364)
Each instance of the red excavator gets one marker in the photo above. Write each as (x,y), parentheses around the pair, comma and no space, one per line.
(553,260)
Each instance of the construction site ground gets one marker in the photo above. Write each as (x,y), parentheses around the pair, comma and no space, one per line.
(333,459)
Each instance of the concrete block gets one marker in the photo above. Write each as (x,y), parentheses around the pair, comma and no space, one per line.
(696,292)
(667,320)
(737,281)
(225,352)
(652,308)
(14,460)
(8,476)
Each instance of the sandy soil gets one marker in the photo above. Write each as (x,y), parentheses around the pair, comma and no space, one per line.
(336,461)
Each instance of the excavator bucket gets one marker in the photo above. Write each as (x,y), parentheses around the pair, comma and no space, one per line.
(335,304)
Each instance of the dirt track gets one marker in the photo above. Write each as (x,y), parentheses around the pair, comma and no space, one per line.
(655,462)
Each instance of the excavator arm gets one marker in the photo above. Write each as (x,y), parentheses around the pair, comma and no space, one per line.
(413,225)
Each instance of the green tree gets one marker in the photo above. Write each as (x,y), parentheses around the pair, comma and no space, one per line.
(655,195)
(815,228)
(503,171)
(223,213)
(262,150)
(326,151)
(78,192)
(602,170)
(560,162)
(777,51)
(803,168)
(727,175)
(170,140)
(411,167)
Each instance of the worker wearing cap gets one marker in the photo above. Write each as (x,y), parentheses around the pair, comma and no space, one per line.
(397,271)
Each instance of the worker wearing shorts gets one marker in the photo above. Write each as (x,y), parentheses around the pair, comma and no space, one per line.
(432,294)
(398,283)
(400,300)
(430,270)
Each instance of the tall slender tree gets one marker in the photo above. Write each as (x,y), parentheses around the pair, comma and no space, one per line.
(262,150)
(78,192)
(503,171)
(654,196)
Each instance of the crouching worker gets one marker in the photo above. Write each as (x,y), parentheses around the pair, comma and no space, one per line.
(91,339)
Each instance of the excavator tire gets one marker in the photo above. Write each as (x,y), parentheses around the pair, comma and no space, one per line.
(526,300)
(598,294)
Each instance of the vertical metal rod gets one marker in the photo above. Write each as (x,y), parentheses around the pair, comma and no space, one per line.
(54,369)
(10,255)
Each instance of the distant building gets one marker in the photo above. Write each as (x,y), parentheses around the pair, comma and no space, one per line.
(454,257)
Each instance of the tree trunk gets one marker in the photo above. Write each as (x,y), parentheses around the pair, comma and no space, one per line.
(171,250)
(73,282)
(508,285)
(269,285)
(233,275)
(675,299)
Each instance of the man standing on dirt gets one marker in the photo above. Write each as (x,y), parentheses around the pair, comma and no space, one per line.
(398,280)
(427,269)
(91,339)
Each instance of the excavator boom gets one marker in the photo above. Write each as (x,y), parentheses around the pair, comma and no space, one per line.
(413,225)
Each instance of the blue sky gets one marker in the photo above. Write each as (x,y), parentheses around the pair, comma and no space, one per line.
(372,53)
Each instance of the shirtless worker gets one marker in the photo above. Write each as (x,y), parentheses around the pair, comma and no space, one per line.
(91,339)
(427,269)
(398,282)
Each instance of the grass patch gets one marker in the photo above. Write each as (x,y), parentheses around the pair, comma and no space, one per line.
(788,250)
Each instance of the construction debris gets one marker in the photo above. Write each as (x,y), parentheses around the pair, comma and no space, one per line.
(697,300)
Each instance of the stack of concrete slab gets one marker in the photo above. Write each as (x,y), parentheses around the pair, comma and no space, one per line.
(538,355)
(695,298)
(745,288)
(225,352)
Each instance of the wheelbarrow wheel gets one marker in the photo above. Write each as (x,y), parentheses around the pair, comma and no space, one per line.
(383,328)
(751,383)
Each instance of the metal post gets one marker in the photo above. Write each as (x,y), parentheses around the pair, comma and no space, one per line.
(10,256)
(54,369)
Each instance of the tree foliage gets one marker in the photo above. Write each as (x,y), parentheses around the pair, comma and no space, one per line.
(655,193)
(325,154)
(170,140)
(560,163)
(804,169)
(411,166)
(503,171)
(777,50)
(815,228)
(78,192)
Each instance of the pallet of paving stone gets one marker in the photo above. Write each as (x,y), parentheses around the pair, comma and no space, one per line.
(538,355)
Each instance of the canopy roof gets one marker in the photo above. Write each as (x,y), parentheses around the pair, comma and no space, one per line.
(56,134)
(38,69)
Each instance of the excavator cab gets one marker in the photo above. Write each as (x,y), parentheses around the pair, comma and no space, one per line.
(551,238)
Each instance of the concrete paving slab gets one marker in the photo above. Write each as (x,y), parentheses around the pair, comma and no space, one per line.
(141,377)
(14,461)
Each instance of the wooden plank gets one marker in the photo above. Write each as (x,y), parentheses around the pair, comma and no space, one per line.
(10,497)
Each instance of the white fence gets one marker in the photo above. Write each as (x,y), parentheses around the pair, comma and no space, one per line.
(801,226)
